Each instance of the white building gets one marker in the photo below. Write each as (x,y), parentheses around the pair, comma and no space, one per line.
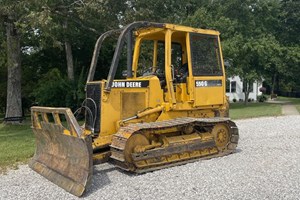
(234,89)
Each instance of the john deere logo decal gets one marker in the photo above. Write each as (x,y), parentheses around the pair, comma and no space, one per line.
(130,84)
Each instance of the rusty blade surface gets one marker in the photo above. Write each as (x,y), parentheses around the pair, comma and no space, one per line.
(64,160)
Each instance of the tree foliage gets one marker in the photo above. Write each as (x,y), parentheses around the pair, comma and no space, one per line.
(256,38)
(260,39)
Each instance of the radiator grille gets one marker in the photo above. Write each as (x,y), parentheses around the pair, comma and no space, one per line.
(93,91)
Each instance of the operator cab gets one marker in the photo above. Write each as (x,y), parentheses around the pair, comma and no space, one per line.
(189,59)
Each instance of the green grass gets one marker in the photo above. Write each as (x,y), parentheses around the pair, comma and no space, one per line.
(251,110)
(298,108)
(294,101)
(16,145)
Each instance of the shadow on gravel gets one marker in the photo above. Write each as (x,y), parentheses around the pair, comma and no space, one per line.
(238,151)
(128,173)
(100,180)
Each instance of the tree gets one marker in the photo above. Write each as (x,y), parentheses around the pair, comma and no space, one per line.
(12,15)
(243,62)
(255,35)
(169,11)
(259,39)
(70,28)
(3,70)
(288,36)
(289,16)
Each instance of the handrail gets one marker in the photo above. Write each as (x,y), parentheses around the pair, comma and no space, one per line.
(97,51)
(115,61)
(118,50)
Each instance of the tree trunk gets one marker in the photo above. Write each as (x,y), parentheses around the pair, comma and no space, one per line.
(14,97)
(69,55)
(246,92)
(273,83)
(246,97)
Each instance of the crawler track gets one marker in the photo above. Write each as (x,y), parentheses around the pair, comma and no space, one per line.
(180,148)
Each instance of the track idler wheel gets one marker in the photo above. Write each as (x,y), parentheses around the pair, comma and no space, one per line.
(134,144)
(222,136)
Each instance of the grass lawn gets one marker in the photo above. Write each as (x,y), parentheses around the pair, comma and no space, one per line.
(251,110)
(16,144)
(298,108)
(294,101)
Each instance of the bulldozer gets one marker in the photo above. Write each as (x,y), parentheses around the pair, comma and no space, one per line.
(170,108)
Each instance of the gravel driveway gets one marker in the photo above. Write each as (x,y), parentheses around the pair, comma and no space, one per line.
(265,166)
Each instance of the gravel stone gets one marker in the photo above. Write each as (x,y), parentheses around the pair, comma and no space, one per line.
(266,165)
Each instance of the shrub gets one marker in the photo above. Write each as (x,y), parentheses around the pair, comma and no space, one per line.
(261,98)
(52,89)
(234,100)
(55,90)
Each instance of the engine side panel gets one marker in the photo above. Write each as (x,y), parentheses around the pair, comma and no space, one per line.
(126,99)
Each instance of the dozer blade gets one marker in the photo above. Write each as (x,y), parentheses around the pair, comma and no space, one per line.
(61,155)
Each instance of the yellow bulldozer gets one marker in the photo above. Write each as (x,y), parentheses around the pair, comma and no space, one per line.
(169,109)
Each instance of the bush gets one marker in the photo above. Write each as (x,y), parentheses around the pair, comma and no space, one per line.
(261,98)
(234,100)
(51,90)
(55,90)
